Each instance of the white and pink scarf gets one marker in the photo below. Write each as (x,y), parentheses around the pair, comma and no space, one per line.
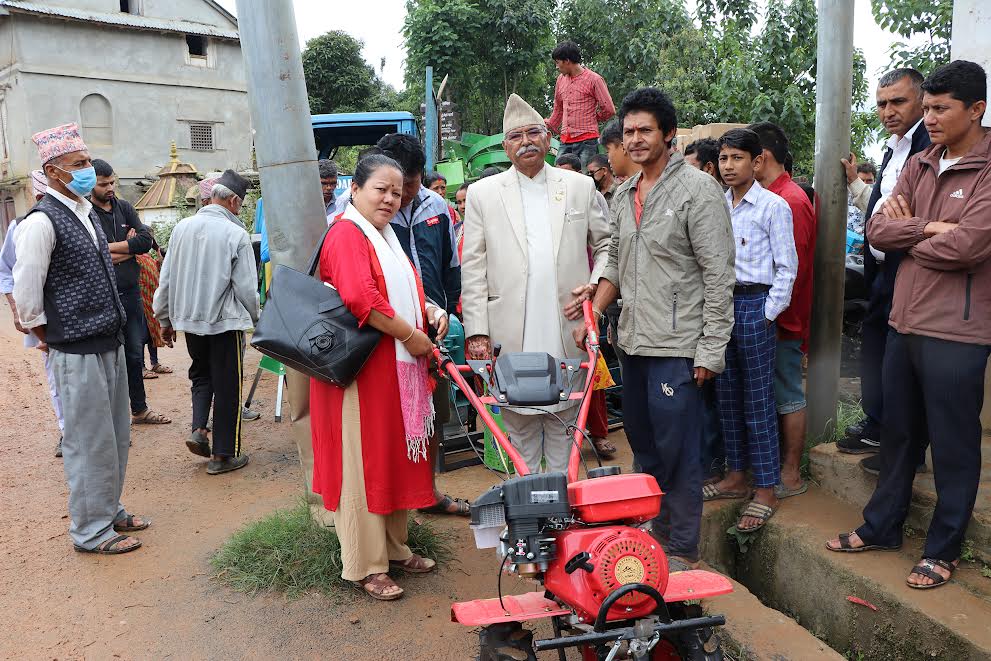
(403,294)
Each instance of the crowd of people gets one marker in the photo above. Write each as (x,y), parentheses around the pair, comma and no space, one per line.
(697,258)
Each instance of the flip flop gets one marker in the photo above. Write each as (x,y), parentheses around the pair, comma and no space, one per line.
(755,510)
(161,369)
(846,547)
(148,374)
(712,492)
(110,546)
(780,491)
(926,567)
(604,448)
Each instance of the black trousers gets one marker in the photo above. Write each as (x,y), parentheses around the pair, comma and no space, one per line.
(662,416)
(216,374)
(873,338)
(135,330)
(932,388)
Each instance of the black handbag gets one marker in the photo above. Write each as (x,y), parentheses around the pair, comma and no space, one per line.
(307,327)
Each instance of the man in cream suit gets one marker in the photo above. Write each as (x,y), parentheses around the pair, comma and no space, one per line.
(525,269)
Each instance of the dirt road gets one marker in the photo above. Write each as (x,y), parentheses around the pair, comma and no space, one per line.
(160,601)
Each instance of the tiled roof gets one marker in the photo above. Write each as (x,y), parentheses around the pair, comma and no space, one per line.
(117,18)
(173,180)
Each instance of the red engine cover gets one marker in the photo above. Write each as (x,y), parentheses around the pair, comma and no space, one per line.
(619,555)
(632,498)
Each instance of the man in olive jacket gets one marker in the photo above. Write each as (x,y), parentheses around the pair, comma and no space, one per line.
(672,255)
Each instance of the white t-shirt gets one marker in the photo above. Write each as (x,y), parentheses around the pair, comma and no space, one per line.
(945,163)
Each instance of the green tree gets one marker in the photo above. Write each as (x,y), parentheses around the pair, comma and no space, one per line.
(337,77)
(908,18)
(487,48)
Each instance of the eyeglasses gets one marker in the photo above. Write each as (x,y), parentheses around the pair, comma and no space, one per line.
(535,133)
(596,171)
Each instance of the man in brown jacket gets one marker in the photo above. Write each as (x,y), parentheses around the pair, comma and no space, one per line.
(937,352)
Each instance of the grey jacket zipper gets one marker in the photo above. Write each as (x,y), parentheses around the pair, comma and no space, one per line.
(674,312)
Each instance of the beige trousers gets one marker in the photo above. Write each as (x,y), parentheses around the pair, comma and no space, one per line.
(299,416)
(541,436)
(368,541)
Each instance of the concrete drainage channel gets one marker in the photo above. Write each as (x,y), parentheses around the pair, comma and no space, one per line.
(799,601)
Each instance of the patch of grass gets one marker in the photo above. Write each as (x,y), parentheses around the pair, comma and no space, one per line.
(287,552)
(986,571)
(967,552)
(847,413)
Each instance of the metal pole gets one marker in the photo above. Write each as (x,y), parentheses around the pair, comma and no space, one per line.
(834,80)
(295,217)
(430,119)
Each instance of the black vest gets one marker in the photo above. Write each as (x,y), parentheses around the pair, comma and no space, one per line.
(81,304)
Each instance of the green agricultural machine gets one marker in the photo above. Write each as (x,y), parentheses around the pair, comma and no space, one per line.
(473,153)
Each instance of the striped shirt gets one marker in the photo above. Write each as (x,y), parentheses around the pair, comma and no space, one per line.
(580,103)
(765,245)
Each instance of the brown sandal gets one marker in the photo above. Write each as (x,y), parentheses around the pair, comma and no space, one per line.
(604,448)
(415,564)
(149,417)
(111,546)
(376,585)
(132,523)
(161,369)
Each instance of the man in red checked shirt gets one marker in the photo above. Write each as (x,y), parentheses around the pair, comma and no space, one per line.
(793,323)
(581,102)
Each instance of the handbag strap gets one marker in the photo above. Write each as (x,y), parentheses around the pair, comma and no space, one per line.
(315,260)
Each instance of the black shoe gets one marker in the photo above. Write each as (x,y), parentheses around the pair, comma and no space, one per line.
(858,445)
(58,448)
(858,428)
(872,466)
(198,444)
(226,465)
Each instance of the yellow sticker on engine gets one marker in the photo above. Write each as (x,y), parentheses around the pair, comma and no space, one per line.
(629,569)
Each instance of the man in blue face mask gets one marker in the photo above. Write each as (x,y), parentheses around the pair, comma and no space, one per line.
(66,295)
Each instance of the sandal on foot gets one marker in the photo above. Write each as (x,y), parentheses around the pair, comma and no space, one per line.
(443,506)
(604,448)
(712,492)
(755,510)
(148,374)
(415,564)
(847,547)
(149,417)
(132,523)
(781,491)
(927,568)
(161,369)
(375,586)
(110,546)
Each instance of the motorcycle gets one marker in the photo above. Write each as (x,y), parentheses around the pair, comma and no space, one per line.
(608,589)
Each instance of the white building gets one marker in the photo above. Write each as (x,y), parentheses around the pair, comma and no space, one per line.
(136,75)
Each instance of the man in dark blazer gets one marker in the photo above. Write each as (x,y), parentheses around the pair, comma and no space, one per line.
(899,107)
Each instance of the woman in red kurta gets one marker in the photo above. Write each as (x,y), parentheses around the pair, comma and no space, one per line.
(370,439)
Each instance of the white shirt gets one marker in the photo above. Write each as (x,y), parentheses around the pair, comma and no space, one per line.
(900,148)
(542,322)
(34,242)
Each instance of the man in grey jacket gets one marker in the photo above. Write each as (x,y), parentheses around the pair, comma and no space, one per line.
(672,255)
(208,290)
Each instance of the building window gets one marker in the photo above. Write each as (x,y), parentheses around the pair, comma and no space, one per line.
(97,120)
(197,45)
(201,136)
(130,6)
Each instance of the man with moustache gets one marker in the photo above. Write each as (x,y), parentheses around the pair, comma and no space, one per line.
(899,107)
(538,221)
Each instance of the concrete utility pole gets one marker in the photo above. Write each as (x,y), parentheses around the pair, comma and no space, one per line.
(295,217)
(430,119)
(834,82)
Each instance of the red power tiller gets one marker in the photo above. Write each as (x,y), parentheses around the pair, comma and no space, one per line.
(608,590)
